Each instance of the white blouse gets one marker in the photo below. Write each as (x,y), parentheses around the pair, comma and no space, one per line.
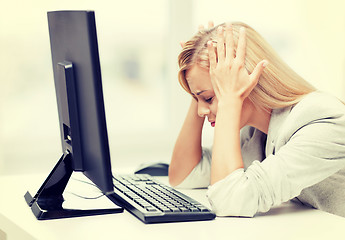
(302,156)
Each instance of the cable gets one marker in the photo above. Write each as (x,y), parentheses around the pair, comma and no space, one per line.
(92,184)
(88,198)
(83,197)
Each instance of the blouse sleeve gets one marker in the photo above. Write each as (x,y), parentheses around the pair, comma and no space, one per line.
(313,153)
(200,175)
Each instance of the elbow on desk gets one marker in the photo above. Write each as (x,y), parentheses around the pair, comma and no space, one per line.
(173,177)
(235,196)
(172,181)
(232,208)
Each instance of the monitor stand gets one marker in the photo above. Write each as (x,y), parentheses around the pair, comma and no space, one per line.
(47,203)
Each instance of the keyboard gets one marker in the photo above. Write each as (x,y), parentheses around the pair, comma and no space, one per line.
(155,202)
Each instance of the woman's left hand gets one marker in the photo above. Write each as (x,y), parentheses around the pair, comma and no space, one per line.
(230,78)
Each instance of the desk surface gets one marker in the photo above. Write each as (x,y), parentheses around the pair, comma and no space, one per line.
(288,221)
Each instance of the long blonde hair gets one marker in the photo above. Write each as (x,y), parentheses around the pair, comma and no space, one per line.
(279,86)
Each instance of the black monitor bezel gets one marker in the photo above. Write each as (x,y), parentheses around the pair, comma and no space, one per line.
(73,38)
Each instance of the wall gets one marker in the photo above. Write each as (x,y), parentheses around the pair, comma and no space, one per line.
(139,44)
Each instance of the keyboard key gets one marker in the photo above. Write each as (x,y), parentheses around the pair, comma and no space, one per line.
(151,209)
(122,188)
(131,195)
(193,209)
(175,209)
(183,209)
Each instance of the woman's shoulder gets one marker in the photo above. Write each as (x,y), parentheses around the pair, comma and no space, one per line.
(318,105)
(320,101)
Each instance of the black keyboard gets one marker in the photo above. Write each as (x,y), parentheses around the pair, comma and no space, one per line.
(154,202)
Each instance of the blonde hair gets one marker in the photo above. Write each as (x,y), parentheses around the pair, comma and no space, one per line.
(279,86)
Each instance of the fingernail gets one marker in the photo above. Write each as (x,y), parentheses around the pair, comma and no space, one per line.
(265,64)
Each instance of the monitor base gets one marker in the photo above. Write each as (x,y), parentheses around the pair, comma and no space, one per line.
(47,203)
(46,214)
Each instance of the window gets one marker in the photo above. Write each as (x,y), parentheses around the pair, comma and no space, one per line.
(138,46)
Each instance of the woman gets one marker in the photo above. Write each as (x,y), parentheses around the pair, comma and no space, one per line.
(276,137)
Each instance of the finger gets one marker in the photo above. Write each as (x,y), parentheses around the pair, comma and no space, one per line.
(213,64)
(182,44)
(220,44)
(230,46)
(211,55)
(210,24)
(241,46)
(255,75)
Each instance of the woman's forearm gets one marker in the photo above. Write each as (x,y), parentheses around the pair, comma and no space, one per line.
(187,151)
(232,84)
(226,154)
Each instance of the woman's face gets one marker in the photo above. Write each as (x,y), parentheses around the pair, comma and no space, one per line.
(199,82)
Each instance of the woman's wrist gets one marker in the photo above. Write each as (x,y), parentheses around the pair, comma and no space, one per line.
(234,103)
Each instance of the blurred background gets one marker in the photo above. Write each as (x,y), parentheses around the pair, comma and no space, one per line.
(139,44)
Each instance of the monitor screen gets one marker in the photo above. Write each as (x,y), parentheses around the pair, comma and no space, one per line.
(78,84)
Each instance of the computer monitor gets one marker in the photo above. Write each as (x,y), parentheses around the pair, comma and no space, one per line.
(83,130)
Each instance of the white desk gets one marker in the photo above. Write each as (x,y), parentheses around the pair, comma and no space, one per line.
(288,221)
